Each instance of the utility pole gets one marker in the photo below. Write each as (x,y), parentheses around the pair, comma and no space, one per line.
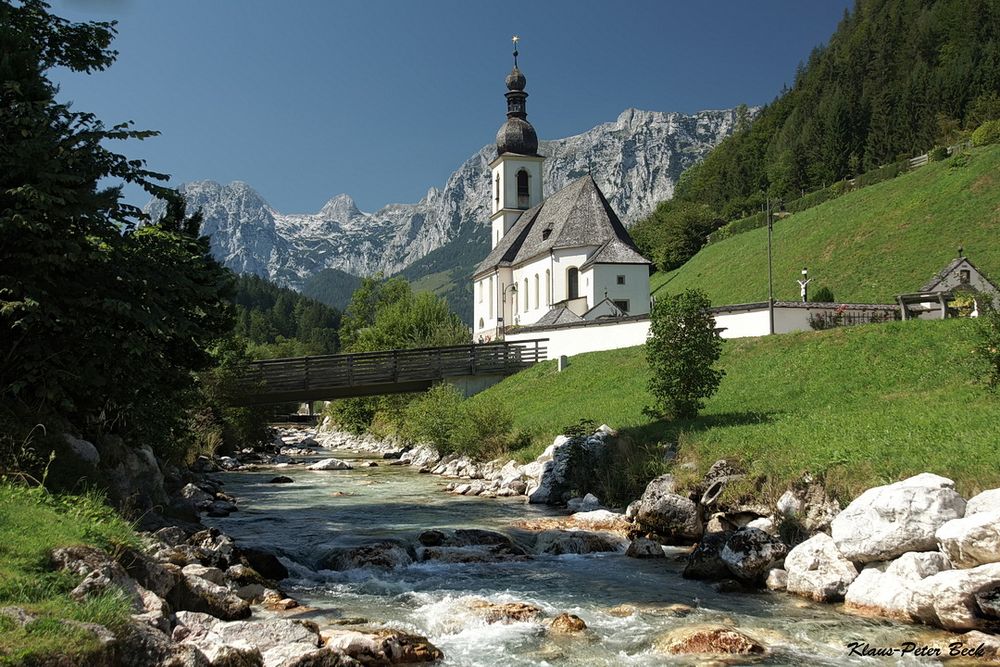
(770,277)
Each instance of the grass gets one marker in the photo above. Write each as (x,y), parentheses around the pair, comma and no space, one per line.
(32,524)
(857,407)
(868,245)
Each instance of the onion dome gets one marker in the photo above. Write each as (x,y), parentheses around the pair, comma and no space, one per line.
(516,135)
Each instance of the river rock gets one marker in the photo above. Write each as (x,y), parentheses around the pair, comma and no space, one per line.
(710,639)
(383,555)
(948,599)
(987,501)
(505,612)
(564,464)
(264,562)
(916,565)
(808,506)
(642,547)
(665,513)
(879,593)
(276,640)
(567,624)
(330,464)
(704,562)
(588,503)
(989,602)
(887,521)
(777,580)
(817,570)
(751,553)
(213,574)
(196,594)
(972,540)
(383,647)
(82,449)
(280,479)
(558,542)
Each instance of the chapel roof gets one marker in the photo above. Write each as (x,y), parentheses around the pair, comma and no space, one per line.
(579,215)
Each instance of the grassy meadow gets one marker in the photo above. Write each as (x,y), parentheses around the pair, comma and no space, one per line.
(32,524)
(868,245)
(857,406)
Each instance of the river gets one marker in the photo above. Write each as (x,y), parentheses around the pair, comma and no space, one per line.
(324,509)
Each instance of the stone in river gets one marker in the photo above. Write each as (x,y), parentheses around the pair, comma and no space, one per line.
(280,479)
(330,464)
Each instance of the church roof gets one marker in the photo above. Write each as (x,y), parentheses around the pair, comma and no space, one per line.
(576,216)
(559,314)
(932,285)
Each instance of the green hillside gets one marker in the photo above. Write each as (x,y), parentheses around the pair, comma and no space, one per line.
(868,245)
(859,405)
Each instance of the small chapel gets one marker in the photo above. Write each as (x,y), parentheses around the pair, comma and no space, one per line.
(554,261)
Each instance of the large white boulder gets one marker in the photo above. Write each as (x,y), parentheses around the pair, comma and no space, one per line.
(987,501)
(948,599)
(330,464)
(972,540)
(889,589)
(816,570)
(887,521)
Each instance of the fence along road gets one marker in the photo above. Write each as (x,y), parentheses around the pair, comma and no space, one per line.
(331,376)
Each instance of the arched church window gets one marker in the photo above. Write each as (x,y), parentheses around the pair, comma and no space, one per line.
(496,191)
(525,295)
(536,290)
(491,297)
(522,189)
(548,288)
(573,282)
(482,324)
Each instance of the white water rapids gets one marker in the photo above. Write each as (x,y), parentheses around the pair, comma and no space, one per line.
(323,509)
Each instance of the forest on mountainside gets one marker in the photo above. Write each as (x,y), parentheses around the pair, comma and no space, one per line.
(279,322)
(896,79)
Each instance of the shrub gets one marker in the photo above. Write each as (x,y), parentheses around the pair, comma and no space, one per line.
(987,133)
(485,430)
(354,415)
(937,154)
(822,295)
(433,417)
(682,349)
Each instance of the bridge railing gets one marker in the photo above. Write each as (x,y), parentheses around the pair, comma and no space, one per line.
(391,367)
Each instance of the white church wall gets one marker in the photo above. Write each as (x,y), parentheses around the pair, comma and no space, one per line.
(563,259)
(635,290)
(492,309)
(593,337)
(536,308)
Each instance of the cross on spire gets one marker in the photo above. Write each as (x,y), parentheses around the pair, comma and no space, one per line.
(515,39)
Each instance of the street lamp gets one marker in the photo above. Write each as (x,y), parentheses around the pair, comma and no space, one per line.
(512,288)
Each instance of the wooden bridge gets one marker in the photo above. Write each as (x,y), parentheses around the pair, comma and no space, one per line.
(333,376)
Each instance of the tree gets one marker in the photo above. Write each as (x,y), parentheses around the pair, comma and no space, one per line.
(682,350)
(988,344)
(105,321)
(674,232)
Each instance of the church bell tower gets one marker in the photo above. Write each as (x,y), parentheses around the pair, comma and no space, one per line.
(516,173)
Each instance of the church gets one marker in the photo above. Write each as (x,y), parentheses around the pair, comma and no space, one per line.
(557,261)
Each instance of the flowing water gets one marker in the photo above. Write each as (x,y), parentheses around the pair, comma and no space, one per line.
(324,509)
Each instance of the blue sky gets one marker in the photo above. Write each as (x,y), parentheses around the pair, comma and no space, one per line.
(383,99)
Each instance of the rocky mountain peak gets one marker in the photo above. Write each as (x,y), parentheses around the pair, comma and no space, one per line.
(341,208)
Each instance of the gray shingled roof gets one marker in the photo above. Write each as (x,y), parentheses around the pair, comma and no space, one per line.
(943,273)
(615,251)
(558,315)
(578,215)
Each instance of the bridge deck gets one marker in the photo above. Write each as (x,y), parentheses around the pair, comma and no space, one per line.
(369,373)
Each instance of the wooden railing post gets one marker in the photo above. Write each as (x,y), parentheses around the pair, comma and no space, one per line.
(305,371)
(395,365)
(350,370)
(472,359)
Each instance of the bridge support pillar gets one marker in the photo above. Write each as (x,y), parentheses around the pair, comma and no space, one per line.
(470,385)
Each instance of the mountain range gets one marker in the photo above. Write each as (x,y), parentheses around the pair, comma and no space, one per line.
(636,160)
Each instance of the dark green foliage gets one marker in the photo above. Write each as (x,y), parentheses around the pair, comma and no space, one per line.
(895,78)
(674,232)
(987,133)
(938,153)
(682,350)
(332,287)
(280,322)
(822,295)
(354,415)
(988,346)
(105,321)
(387,315)
(433,417)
